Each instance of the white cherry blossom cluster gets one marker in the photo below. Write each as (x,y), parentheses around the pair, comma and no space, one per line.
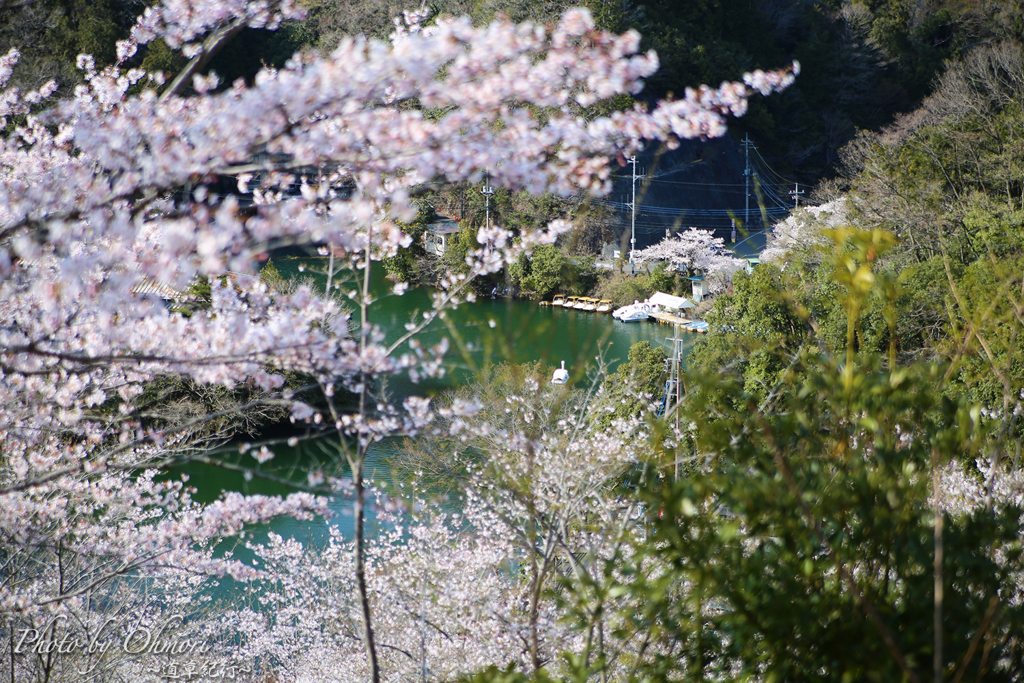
(804,229)
(992,486)
(180,21)
(443,600)
(454,593)
(962,492)
(12,101)
(695,249)
(116,525)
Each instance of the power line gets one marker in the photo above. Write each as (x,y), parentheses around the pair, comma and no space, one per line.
(772,171)
(672,211)
(684,182)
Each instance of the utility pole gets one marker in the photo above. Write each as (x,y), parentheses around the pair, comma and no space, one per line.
(674,389)
(487,191)
(632,206)
(746,180)
(795,194)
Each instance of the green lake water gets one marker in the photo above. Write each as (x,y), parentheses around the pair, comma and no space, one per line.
(485,331)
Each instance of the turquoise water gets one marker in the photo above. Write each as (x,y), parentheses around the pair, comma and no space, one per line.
(482,332)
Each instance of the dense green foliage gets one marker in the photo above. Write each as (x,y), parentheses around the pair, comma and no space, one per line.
(946,183)
(756,329)
(635,384)
(403,266)
(548,270)
(850,374)
(807,539)
(272,277)
(804,550)
(459,245)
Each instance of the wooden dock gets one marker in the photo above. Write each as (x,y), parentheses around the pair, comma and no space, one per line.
(670,319)
(685,323)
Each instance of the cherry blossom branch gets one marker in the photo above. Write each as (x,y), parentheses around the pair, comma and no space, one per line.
(211,46)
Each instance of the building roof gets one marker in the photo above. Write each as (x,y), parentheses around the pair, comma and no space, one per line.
(670,302)
(443,227)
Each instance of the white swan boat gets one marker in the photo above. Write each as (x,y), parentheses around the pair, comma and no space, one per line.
(561,375)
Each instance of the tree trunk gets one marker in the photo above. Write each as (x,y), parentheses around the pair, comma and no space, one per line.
(364,598)
(356,464)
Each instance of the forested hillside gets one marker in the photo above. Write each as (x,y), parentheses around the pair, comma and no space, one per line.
(945,180)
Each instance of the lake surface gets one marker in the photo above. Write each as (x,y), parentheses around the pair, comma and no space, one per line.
(486,331)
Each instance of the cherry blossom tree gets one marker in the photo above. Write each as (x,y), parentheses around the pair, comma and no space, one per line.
(111,189)
(542,512)
(695,250)
(803,230)
(536,458)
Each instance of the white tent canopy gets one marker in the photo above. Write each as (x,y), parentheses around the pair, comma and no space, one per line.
(671,303)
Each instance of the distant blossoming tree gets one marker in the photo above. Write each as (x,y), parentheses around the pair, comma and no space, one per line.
(694,250)
(803,229)
(112,189)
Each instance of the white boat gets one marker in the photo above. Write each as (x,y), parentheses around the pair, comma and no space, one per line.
(559,300)
(604,306)
(633,313)
(636,313)
(561,375)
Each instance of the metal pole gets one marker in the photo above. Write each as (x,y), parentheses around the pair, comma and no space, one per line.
(632,205)
(487,191)
(678,353)
(796,195)
(746,180)
(675,390)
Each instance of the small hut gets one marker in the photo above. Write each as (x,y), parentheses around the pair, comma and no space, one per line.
(439,235)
